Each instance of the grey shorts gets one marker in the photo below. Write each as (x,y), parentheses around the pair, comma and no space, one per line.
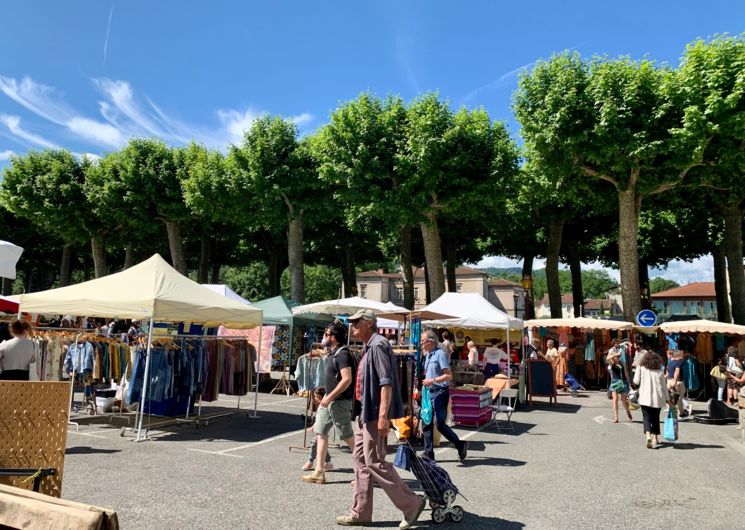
(339,414)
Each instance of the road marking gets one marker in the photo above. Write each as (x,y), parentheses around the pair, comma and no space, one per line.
(462,439)
(601,419)
(212,452)
(87,434)
(261,442)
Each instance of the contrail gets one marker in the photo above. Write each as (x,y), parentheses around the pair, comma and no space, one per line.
(108,30)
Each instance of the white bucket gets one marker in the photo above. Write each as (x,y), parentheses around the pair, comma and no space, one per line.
(103,404)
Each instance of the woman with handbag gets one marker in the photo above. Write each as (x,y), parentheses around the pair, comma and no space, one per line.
(653,394)
(619,383)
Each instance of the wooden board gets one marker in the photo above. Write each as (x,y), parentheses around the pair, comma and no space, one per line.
(541,380)
(33,430)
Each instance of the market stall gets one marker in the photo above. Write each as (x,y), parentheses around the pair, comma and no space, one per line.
(473,314)
(151,290)
(586,340)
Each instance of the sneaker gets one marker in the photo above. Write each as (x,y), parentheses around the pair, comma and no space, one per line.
(309,465)
(411,519)
(463,452)
(649,443)
(349,520)
(689,409)
(328,466)
(317,477)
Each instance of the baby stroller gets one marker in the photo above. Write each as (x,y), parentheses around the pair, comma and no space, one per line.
(437,486)
(573,384)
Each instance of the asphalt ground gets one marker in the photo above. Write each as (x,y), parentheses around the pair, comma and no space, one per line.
(567,466)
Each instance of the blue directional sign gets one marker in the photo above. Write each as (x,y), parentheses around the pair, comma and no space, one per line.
(646,318)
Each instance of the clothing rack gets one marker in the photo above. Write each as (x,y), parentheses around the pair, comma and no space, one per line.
(308,400)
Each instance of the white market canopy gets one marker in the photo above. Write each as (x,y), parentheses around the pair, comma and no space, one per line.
(347,306)
(9,256)
(225,291)
(579,323)
(702,326)
(471,311)
(151,289)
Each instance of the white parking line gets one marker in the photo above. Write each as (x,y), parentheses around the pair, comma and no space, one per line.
(212,452)
(261,442)
(87,434)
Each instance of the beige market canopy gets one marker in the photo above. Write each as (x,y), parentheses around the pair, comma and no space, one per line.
(702,326)
(579,323)
(151,289)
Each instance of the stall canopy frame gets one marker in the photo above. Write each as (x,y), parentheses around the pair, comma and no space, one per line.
(151,290)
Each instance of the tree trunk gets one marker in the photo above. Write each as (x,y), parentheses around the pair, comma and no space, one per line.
(7,286)
(646,296)
(274,273)
(427,289)
(555,230)
(295,257)
(348,271)
(433,256)
(204,259)
(98,249)
(407,269)
(629,205)
(65,268)
(733,250)
(575,268)
(528,275)
(215,277)
(129,256)
(176,246)
(720,284)
(451,265)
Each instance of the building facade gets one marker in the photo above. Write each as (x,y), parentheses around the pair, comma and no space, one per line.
(695,300)
(385,287)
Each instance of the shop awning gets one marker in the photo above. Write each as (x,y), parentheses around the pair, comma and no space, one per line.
(702,326)
(151,289)
(579,323)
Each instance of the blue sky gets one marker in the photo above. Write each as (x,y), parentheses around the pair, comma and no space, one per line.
(88,75)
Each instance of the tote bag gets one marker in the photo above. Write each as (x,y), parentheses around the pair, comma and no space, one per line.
(427,411)
(670,432)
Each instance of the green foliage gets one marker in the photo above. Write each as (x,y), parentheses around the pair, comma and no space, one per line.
(249,281)
(321,283)
(659,284)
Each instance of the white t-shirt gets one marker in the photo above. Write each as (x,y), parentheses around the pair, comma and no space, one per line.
(17,354)
(493,355)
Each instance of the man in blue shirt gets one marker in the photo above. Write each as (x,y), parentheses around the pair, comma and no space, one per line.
(437,376)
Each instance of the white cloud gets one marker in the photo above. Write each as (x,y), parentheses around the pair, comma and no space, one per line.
(237,123)
(496,82)
(39,99)
(13,123)
(683,272)
(97,132)
(126,116)
(5,155)
(699,270)
(302,119)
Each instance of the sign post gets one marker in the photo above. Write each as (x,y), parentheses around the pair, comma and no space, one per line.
(646,318)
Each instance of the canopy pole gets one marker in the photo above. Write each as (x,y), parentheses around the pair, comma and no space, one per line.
(254,415)
(147,376)
(509,355)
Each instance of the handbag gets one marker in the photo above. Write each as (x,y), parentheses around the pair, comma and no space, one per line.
(617,385)
(634,397)
(670,432)
(427,411)
(403,457)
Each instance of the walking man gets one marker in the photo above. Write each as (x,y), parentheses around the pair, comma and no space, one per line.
(378,391)
(437,376)
(335,408)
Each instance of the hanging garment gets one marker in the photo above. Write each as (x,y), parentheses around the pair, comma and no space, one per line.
(79,358)
(590,347)
(688,373)
(704,349)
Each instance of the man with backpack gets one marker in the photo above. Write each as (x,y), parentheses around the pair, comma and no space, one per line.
(335,408)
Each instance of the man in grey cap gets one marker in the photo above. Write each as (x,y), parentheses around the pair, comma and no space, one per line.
(378,392)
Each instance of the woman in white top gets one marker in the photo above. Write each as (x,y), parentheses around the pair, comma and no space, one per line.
(653,394)
(493,355)
(473,354)
(17,354)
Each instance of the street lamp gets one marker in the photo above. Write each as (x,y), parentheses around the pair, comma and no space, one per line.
(528,286)
(514,298)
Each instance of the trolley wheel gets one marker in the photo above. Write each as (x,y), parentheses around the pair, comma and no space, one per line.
(122,433)
(206,423)
(456,514)
(449,497)
(439,515)
(433,504)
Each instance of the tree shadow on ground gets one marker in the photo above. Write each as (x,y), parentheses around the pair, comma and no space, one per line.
(688,446)
(566,408)
(470,521)
(84,450)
